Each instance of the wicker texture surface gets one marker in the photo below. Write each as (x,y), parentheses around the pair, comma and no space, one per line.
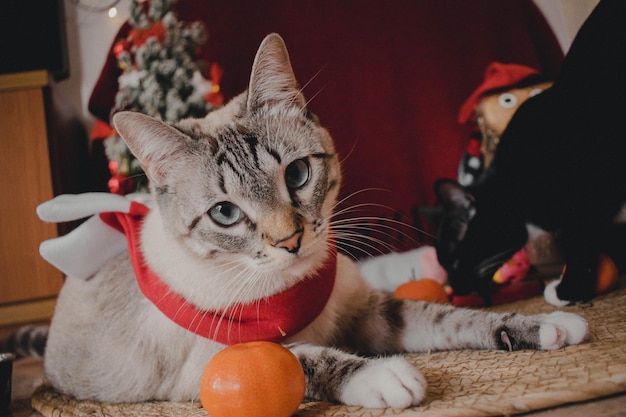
(461,383)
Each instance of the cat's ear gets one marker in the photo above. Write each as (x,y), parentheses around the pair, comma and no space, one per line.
(272,79)
(154,143)
(452,195)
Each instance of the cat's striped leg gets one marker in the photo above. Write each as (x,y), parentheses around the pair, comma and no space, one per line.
(385,325)
(337,376)
(443,327)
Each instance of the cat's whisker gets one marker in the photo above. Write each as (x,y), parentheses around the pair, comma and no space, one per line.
(355,193)
(375,224)
(355,241)
(319,71)
(312,97)
(365,231)
(230,293)
(350,152)
(361,238)
(180,308)
(352,256)
(361,241)
(226,268)
(353,246)
(379,220)
(200,316)
(216,326)
(251,281)
(356,207)
(232,290)
(374,221)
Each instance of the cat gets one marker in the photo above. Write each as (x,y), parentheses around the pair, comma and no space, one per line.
(242,210)
(560,165)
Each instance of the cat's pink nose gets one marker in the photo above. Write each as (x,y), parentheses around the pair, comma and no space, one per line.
(292,243)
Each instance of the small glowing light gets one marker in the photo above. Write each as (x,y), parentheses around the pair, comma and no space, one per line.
(112,12)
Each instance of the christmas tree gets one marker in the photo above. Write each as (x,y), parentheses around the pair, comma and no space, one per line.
(161,77)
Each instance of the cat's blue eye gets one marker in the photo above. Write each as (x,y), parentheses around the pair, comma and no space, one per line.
(225,214)
(297,174)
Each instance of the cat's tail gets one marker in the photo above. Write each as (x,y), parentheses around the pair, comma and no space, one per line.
(26,341)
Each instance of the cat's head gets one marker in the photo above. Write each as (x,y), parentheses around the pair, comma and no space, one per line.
(477,234)
(253,182)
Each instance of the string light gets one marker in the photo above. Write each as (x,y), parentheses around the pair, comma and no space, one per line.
(112,12)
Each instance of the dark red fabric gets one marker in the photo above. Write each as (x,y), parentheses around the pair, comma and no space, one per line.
(387,78)
(272,319)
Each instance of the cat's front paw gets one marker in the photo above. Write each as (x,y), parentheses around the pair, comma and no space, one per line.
(385,383)
(560,329)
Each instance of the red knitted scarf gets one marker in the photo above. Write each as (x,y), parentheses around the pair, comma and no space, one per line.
(271,319)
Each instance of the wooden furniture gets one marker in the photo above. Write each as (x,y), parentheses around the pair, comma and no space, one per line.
(28,284)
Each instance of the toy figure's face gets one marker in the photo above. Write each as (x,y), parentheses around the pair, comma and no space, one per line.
(494,112)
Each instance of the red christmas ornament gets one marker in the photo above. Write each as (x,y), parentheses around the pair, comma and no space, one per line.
(120,46)
(120,184)
(215,97)
(114,166)
(473,147)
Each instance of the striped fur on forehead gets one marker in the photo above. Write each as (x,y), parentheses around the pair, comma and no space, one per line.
(277,128)
(257,141)
(288,130)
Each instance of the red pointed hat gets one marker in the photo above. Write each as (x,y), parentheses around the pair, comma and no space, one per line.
(497,76)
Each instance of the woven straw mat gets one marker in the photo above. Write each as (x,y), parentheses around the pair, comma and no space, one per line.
(460,383)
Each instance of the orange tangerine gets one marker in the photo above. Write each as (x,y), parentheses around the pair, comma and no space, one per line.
(424,289)
(252,379)
(607,275)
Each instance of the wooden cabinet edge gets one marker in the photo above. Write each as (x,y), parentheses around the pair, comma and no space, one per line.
(22,80)
(27,312)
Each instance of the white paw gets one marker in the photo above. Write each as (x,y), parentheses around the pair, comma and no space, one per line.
(385,383)
(560,329)
(549,293)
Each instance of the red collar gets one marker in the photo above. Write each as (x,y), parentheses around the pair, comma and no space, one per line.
(271,319)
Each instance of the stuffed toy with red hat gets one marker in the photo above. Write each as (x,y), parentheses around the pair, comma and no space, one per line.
(490,107)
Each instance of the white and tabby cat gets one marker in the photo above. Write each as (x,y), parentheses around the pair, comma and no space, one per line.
(243,208)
